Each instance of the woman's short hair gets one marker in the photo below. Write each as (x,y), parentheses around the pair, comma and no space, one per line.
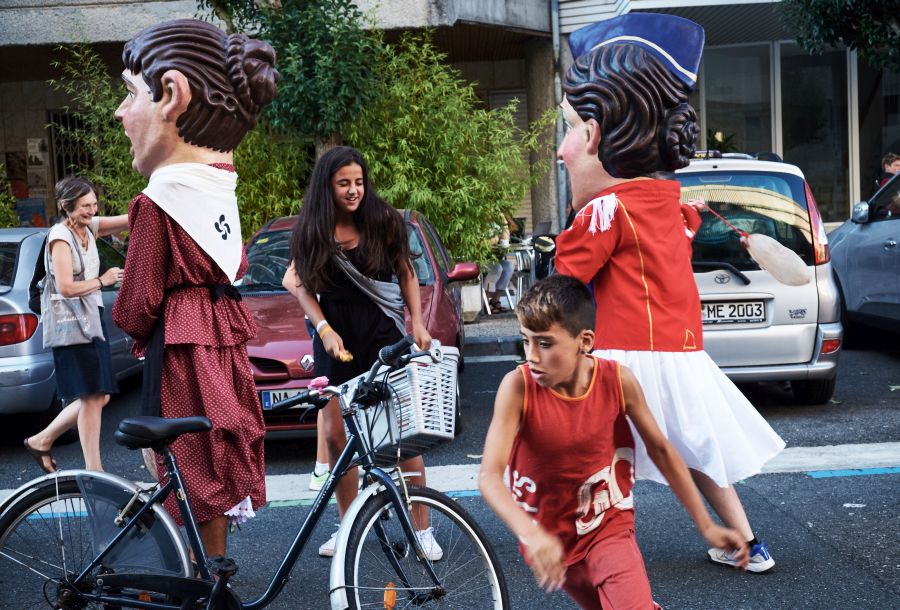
(69,190)
(232,77)
(646,123)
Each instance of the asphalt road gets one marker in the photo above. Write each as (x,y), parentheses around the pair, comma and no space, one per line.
(834,535)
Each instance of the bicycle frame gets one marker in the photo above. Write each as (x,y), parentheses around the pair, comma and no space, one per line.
(355,446)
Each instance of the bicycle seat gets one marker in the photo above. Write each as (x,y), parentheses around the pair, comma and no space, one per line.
(143,431)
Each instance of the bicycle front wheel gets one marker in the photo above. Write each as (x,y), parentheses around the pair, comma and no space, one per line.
(382,570)
(49,536)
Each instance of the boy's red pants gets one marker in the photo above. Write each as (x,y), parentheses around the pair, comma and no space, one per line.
(611,576)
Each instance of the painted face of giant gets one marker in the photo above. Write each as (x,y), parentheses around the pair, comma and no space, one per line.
(583,167)
(152,136)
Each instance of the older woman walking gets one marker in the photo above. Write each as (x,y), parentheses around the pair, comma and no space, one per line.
(84,375)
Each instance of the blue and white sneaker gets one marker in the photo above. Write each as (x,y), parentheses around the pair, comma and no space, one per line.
(760,560)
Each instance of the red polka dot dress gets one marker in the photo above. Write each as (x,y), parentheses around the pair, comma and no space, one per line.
(205,368)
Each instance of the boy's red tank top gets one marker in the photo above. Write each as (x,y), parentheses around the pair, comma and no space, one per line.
(571,464)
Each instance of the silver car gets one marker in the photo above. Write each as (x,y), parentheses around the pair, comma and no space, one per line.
(27,376)
(755,328)
(866,258)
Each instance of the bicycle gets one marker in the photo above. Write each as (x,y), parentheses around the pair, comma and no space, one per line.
(83,539)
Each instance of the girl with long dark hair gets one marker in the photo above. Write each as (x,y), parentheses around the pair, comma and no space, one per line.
(350,248)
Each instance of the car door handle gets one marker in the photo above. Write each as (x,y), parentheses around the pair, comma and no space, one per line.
(891,243)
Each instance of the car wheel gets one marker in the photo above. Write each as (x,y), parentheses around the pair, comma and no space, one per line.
(813,392)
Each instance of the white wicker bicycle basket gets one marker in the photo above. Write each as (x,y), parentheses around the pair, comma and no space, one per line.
(421,413)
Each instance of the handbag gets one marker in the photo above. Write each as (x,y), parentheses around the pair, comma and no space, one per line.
(67,320)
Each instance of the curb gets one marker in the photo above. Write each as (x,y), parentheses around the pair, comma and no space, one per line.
(493,346)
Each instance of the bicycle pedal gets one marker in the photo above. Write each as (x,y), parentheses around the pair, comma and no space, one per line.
(223,567)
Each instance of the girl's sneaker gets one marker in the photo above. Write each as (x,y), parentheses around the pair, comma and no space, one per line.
(317,481)
(760,560)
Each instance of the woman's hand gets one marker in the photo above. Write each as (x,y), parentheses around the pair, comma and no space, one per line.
(112,276)
(545,557)
(724,538)
(421,336)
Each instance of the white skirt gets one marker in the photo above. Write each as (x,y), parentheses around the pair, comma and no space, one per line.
(702,413)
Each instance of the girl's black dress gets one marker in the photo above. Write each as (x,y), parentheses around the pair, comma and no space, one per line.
(363,327)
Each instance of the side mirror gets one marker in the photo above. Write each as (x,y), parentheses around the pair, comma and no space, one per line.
(860,213)
(463,272)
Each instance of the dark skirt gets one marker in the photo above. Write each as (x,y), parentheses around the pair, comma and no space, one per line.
(85,369)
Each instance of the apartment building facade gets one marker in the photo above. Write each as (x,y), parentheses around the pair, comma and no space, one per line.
(830,114)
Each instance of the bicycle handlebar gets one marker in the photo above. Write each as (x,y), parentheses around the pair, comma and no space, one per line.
(389,354)
(393,356)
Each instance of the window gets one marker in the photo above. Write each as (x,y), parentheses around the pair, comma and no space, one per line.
(268,258)
(8,251)
(886,206)
(419,257)
(109,256)
(738,114)
(756,202)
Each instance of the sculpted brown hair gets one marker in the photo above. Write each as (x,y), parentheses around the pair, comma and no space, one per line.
(646,124)
(231,77)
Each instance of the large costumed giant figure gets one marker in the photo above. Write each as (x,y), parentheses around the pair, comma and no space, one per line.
(193,93)
(629,126)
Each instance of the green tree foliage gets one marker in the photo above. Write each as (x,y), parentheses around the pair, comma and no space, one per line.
(325,58)
(269,164)
(432,147)
(95,95)
(272,168)
(871,27)
(8,216)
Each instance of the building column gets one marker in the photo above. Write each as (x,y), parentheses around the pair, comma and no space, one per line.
(539,83)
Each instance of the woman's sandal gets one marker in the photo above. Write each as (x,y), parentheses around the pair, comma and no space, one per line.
(39,456)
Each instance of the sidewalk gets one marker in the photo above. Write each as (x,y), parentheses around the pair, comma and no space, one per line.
(494,335)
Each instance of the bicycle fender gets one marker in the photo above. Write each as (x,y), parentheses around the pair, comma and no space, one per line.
(336,581)
(127,486)
(62,475)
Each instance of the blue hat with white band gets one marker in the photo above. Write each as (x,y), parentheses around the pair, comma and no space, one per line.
(676,41)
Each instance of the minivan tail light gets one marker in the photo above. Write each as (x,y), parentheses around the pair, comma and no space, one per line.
(16,328)
(820,240)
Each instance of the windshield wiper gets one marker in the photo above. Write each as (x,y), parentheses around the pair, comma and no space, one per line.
(261,286)
(710,265)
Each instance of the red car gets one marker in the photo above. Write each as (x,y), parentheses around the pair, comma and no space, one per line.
(281,354)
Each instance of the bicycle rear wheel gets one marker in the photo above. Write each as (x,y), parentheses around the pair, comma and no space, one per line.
(468,570)
(52,533)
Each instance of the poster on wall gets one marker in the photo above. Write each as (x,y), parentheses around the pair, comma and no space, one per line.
(31,212)
(38,156)
(17,173)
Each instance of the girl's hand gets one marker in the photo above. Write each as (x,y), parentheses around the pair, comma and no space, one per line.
(728,539)
(421,336)
(112,276)
(333,344)
(545,557)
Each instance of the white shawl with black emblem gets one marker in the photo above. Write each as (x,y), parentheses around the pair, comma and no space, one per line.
(201,199)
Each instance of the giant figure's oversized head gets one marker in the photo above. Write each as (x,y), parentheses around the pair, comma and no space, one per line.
(231,78)
(633,75)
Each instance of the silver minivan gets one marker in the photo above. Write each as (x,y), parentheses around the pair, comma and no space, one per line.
(755,328)
(27,373)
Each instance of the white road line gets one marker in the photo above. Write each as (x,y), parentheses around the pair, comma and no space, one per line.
(464,477)
(480,359)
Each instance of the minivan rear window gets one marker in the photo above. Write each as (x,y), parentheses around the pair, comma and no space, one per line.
(8,251)
(772,204)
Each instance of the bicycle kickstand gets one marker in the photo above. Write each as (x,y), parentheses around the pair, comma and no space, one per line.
(223,568)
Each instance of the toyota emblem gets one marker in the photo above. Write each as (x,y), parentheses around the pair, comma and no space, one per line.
(722,278)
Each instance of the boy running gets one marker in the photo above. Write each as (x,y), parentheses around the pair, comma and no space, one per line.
(560,429)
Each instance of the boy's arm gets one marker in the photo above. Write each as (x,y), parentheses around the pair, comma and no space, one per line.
(545,552)
(674,469)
